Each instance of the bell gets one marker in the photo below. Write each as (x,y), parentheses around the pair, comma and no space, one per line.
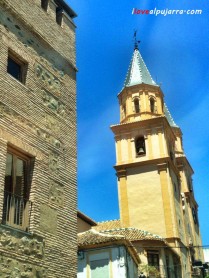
(141,151)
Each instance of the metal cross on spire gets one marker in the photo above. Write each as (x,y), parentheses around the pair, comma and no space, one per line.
(136,42)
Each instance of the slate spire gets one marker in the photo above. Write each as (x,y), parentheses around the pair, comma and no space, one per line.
(168,116)
(138,72)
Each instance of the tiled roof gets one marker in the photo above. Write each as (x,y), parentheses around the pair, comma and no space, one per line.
(92,237)
(138,72)
(134,234)
(114,227)
(108,225)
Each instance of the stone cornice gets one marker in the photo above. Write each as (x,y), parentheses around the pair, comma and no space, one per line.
(181,161)
(162,164)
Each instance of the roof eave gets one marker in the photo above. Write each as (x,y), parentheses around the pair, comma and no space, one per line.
(112,244)
(66,7)
(87,219)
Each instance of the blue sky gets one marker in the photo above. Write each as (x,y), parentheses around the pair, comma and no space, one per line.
(175,49)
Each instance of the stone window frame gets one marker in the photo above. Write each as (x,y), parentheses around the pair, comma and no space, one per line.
(19,61)
(17,207)
(45,5)
(59,15)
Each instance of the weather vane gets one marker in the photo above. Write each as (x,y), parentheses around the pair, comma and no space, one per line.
(136,42)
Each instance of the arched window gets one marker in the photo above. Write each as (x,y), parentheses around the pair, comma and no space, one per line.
(152,105)
(136,105)
(140,146)
(124,110)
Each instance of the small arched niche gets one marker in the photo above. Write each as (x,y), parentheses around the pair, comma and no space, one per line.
(152,105)
(140,146)
(136,105)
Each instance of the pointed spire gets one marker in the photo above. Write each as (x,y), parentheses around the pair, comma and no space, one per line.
(169,117)
(138,72)
(136,43)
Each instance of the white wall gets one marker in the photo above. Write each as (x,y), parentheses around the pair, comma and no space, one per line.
(206,255)
(117,259)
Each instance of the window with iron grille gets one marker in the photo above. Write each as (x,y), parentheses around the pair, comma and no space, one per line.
(17,207)
(153,259)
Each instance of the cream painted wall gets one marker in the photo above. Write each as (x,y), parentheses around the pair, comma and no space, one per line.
(186,270)
(124,149)
(188,228)
(155,144)
(188,217)
(156,148)
(145,200)
(175,193)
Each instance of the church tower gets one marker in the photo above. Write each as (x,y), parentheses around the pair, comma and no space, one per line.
(154,175)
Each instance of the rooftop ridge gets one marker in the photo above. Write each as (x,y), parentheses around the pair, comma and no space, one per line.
(145,233)
(104,234)
(106,221)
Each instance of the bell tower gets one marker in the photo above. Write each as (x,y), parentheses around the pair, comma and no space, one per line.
(153,173)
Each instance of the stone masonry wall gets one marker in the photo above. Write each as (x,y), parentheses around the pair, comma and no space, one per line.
(38,118)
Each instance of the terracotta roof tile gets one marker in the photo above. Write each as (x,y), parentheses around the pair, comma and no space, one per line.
(114,227)
(108,225)
(133,234)
(92,237)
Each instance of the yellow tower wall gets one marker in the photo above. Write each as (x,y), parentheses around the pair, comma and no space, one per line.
(144,188)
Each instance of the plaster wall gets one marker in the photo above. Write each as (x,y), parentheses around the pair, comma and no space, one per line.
(175,191)
(145,200)
(155,144)
(192,229)
(124,149)
(83,226)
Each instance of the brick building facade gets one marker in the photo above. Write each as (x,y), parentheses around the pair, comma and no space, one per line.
(38,199)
